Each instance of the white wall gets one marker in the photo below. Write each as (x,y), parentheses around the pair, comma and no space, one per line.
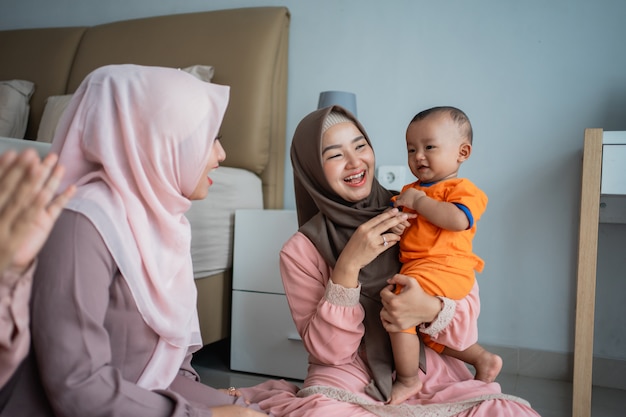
(531,75)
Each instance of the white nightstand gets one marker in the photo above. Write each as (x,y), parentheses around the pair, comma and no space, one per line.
(264,339)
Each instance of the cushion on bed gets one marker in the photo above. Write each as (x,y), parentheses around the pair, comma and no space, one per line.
(54,108)
(212,219)
(202,72)
(14,107)
(55,105)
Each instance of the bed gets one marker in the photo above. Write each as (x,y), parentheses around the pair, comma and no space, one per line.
(244,48)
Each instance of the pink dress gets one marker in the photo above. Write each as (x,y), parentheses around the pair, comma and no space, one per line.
(14,321)
(329,320)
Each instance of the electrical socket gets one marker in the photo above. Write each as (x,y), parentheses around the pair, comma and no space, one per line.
(392,177)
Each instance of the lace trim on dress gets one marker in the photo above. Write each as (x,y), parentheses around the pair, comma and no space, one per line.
(443,319)
(341,296)
(406,410)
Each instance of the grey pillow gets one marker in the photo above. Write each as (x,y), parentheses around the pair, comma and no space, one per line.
(14,107)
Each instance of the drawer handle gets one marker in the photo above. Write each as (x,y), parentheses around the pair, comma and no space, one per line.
(294,336)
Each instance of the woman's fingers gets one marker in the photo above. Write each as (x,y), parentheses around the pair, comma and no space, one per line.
(56,206)
(18,180)
(368,241)
(411,307)
(6,160)
(51,177)
(378,228)
(387,220)
(403,280)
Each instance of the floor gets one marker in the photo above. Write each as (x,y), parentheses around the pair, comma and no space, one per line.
(549,398)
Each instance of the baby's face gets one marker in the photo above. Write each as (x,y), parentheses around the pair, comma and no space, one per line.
(436,148)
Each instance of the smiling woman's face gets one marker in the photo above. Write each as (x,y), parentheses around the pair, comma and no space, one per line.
(348,161)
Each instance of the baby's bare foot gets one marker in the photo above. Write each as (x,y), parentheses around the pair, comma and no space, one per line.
(488,367)
(403,389)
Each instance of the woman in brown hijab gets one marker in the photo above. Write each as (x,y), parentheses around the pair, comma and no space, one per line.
(336,272)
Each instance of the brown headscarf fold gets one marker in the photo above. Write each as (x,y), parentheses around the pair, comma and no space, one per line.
(329,222)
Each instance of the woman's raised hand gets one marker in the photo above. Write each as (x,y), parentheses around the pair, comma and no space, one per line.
(28,208)
(368,241)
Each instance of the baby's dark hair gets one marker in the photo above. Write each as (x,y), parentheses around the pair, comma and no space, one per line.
(457,115)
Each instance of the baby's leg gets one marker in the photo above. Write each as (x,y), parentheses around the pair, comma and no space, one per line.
(406,353)
(487,364)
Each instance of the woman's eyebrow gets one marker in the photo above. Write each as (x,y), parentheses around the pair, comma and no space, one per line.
(329,147)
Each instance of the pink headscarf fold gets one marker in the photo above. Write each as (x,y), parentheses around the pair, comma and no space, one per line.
(135,140)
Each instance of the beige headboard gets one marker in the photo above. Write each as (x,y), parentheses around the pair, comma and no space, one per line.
(248,48)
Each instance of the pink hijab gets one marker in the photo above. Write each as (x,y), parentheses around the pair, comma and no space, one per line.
(135,140)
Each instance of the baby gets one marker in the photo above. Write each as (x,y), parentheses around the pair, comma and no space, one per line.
(436,249)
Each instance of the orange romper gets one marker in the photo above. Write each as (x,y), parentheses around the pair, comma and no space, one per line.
(442,261)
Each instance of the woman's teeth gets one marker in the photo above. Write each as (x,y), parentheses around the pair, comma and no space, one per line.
(355,178)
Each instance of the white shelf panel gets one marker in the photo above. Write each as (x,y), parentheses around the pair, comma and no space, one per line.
(613,170)
(258,239)
(614,137)
(613,182)
(264,339)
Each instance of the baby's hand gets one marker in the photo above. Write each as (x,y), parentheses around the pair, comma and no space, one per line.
(398,230)
(409,198)
(401,227)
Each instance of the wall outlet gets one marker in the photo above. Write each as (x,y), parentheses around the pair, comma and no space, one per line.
(392,177)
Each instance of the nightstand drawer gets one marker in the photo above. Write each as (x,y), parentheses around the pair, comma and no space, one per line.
(259,236)
(264,339)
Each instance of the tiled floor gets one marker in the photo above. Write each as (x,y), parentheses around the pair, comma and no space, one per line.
(549,397)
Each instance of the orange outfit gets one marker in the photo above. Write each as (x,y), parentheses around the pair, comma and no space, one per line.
(442,261)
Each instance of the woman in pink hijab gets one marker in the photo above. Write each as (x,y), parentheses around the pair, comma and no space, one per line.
(114,319)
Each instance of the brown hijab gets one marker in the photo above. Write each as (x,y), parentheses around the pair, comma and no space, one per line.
(329,222)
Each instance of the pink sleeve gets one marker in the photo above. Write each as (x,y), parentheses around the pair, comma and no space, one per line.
(14,321)
(457,324)
(327,316)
